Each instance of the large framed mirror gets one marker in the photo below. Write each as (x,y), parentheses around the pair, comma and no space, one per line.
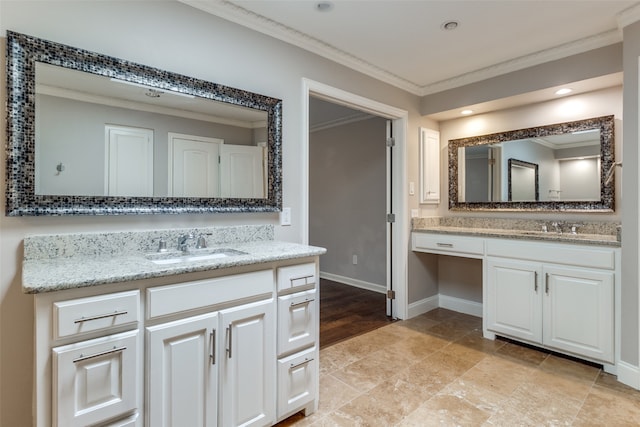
(90,134)
(559,167)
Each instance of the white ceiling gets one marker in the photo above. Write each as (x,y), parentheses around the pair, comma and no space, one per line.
(401,41)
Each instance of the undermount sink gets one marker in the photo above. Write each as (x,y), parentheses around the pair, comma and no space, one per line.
(195,256)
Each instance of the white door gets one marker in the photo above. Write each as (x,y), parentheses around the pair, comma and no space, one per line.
(578,312)
(193,166)
(242,173)
(182,373)
(129,161)
(514,299)
(248,365)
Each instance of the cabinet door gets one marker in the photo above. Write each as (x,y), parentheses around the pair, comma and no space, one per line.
(514,299)
(248,365)
(95,380)
(578,312)
(182,373)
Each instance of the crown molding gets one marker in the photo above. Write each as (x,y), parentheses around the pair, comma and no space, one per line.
(537,58)
(629,16)
(241,16)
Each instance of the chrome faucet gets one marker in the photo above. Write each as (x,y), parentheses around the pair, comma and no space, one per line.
(182,241)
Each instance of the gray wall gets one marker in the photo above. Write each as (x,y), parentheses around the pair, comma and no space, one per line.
(630,331)
(347,199)
(74,135)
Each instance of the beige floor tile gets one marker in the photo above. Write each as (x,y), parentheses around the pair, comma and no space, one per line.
(449,330)
(445,410)
(336,357)
(606,407)
(367,372)
(569,368)
(334,394)
(386,404)
(610,382)
(529,355)
(480,397)
(413,349)
(500,375)
(561,385)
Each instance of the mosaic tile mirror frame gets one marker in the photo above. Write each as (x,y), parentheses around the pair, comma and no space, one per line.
(22,197)
(599,150)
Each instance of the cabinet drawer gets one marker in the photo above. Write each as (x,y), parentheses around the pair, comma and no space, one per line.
(557,253)
(297,314)
(95,380)
(296,381)
(443,243)
(101,312)
(171,299)
(296,276)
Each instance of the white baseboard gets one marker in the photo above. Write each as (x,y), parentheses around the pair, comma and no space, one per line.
(354,282)
(628,374)
(443,301)
(461,305)
(423,306)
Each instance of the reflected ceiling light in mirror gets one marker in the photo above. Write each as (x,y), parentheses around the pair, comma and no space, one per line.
(324,6)
(564,91)
(152,90)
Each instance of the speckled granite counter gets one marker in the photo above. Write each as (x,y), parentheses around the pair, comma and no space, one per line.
(589,233)
(57,262)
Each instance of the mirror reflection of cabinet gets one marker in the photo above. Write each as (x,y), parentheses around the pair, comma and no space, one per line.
(429,166)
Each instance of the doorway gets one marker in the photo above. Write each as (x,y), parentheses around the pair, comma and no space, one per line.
(396,231)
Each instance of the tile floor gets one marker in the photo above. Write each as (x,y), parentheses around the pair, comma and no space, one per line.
(437,370)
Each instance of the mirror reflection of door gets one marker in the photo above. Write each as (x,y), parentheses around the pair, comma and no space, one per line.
(523,181)
(193,166)
(129,161)
(241,171)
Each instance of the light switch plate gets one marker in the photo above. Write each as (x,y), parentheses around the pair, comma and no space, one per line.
(285,216)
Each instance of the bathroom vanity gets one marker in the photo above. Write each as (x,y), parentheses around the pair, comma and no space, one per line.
(557,291)
(220,340)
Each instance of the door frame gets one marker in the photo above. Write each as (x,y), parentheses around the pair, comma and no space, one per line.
(399,244)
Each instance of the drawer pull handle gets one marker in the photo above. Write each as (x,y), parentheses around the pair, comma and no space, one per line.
(304,362)
(444,245)
(546,284)
(306,301)
(102,353)
(212,337)
(306,282)
(535,281)
(100,316)
(230,338)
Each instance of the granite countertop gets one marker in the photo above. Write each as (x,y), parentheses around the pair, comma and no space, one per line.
(602,233)
(585,239)
(76,271)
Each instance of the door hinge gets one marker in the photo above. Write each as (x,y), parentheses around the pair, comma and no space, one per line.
(391,218)
(391,142)
(391,294)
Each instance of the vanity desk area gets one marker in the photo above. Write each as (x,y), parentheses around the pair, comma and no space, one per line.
(559,291)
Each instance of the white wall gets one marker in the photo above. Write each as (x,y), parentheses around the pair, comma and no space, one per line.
(180,39)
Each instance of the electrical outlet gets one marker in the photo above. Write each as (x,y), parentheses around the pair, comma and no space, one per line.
(355,259)
(285,216)
(415,213)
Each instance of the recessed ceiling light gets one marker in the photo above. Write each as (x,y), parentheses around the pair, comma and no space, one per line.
(564,91)
(466,112)
(449,25)
(324,6)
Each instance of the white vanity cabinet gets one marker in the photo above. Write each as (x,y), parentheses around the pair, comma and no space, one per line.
(558,295)
(216,368)
(563,308)
(554,297)
(201,350)
(94,367)
(298,331)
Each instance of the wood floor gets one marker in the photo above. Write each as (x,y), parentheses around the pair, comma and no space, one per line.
(347,311)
